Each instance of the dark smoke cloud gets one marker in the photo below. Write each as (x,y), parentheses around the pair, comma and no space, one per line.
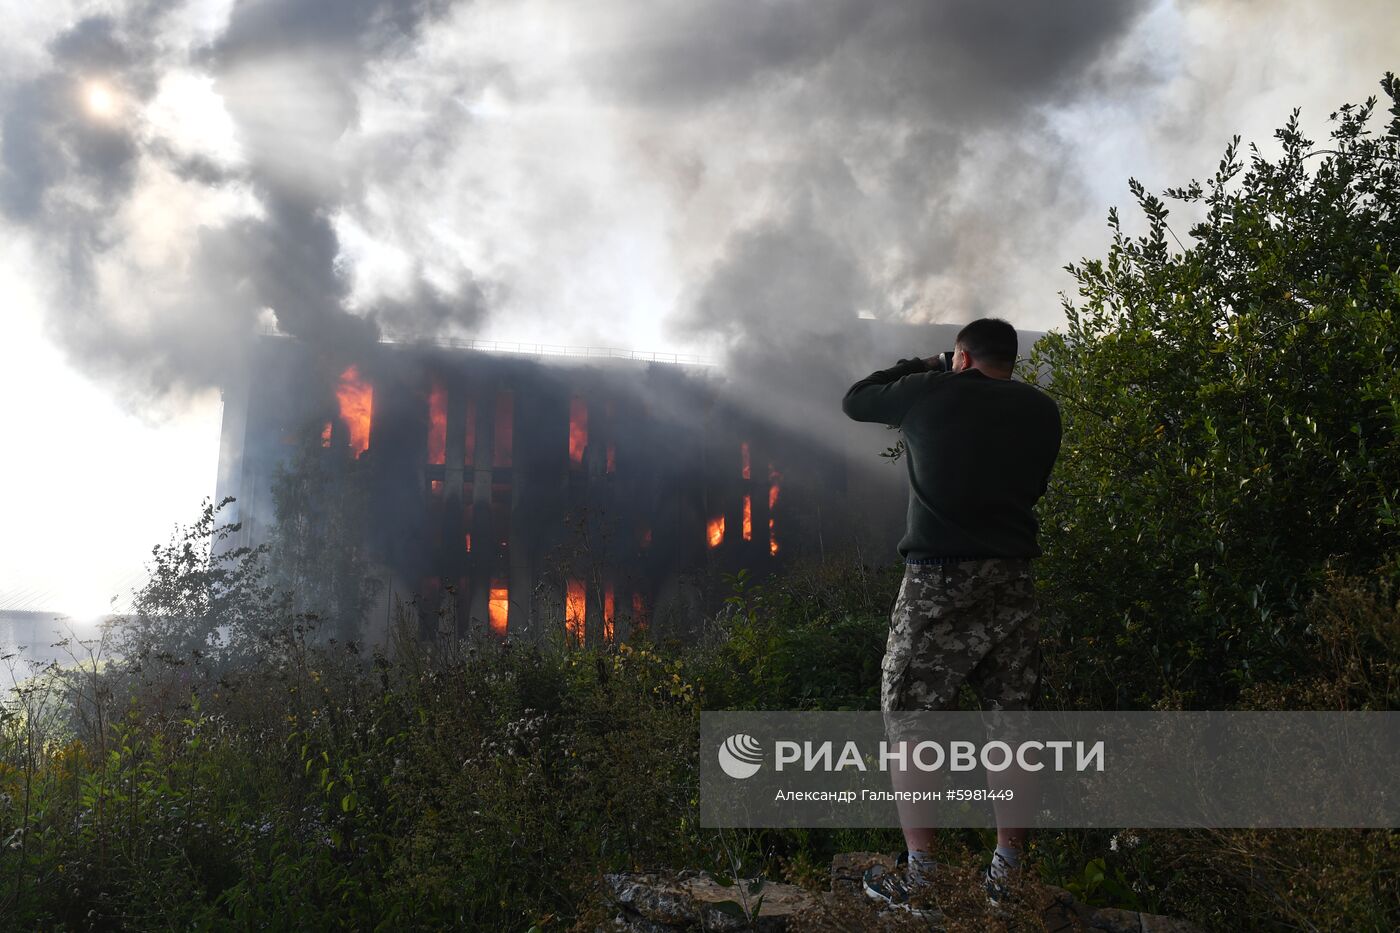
(66,177)
(934,86)
(964,61)
(43,141)
(802,160)
(919,178)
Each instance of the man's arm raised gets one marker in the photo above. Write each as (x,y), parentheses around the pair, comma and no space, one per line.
(885,396)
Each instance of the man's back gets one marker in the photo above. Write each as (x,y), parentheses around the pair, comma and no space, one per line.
(979,453)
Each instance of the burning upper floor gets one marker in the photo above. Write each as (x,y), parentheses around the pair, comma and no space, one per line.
(589,498)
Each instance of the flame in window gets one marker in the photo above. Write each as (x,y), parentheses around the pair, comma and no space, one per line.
(608,607)
(498,607)
(437,424)
(356,397)
(612,457)
(714,531)
(326,435)
(639,612)
(744,457)
(575,608)
(578,430)
(774,485)
(748,518)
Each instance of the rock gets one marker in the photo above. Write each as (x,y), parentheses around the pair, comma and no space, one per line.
(667,902)
(660,902)
(848,867)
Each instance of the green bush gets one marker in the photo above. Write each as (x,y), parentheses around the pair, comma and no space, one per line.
(1231,410)
(812,640)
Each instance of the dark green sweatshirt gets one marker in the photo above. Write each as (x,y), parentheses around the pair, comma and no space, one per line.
(979,452)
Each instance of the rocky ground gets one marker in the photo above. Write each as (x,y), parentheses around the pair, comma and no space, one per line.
(663,902)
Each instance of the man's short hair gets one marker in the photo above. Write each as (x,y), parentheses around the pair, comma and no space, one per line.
(989,340)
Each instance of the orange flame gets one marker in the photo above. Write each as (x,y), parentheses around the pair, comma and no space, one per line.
(608,607)
(356,397)
(639,612)
(714,531)
(575,608)
(505,430)
(578,430)
(436,487)
(498,607)
(437,424)
(774,481)
(612,457)
(748,518)
(468,536)
(326,435)
(744,455)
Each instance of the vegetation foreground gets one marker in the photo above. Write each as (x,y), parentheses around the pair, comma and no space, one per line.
(1221,533)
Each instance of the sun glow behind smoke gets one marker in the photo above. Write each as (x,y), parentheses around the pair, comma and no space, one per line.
(100,100)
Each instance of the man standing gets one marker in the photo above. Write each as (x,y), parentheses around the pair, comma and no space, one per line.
(979,448)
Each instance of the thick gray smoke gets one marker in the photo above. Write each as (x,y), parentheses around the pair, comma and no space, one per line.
(82,184)
(735,178)
(736,175)
(916,179)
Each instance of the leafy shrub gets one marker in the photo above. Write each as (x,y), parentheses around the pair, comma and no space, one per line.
(1231,419)
(812,640)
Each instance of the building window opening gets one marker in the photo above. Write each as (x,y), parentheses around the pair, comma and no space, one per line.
(575,608)
(356,398)
(469,458)
(578,431)
(498,608)
(502,453)
(437,424)
(714,531)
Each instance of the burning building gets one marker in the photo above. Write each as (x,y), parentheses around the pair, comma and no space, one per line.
(518,494)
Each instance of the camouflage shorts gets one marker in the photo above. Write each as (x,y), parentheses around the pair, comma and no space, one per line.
(972,622)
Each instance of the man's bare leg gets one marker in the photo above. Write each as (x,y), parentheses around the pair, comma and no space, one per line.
(917,837)
(1012,815)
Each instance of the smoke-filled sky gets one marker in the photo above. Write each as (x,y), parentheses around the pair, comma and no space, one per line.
(663,175)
